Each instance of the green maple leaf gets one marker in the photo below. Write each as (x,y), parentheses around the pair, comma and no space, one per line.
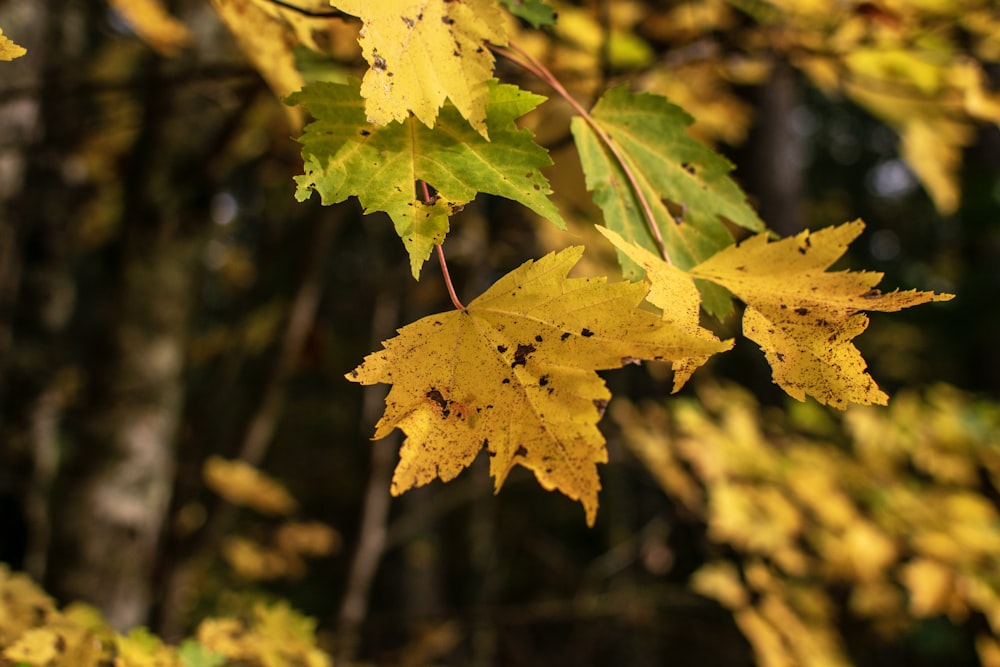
(535,12)
(686,184)
(345,156)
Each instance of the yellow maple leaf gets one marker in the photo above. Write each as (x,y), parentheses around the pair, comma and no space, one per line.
(804,317)
(268,42)
(673,291)
(37,646)
(422,52)
(154,25)
(514,374)
(9,49)
(930,584)
(242,484)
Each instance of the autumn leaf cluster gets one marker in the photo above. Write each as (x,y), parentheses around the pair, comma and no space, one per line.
(428,128)
(891,505)
(407,113)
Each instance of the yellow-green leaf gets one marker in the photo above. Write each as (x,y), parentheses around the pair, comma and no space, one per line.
(344,155)
(423,52)
(685,184)
(514,374)
(803,317)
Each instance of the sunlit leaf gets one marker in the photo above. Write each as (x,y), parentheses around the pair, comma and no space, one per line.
(245,485)
(685,184)
(8,49)
(805,317)
(421,53)
(514,374)
(154,25)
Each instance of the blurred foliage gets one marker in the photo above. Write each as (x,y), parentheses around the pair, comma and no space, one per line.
(34,633)
(870,539)
(893,509)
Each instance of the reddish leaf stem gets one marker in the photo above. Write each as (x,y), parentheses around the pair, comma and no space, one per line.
(525,60)
(440,254)
(447,279)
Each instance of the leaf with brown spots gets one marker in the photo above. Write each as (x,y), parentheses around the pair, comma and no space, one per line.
(422,53)
(686,184)
(514,374)
(345,156)
(805,317)
(672,291)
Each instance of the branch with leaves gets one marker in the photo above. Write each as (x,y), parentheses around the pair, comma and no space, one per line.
(513,373)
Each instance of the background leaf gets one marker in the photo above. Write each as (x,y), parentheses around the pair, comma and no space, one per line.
(535,12)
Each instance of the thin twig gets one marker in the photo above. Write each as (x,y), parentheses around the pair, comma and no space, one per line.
(375,511)
(311,13)
(530,63)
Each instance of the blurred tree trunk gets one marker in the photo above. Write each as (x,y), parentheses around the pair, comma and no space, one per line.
(42,126)
(116,489)
(777,154)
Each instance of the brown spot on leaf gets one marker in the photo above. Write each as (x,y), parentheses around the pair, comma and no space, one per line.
(586,333)
(801,311)
(501,348)
(521,451)
(542,381)
(564,336)
(521,355)
(408,21)
(872,294)
(436,396)
(378,63)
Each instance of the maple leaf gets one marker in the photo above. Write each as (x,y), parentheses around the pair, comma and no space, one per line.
(422,52)
(268,43)
(9,49)
(344,155)
(242,484)
(803,317)
(154,25)
(514,374)
(535,12)
(672,291)
(686,184)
